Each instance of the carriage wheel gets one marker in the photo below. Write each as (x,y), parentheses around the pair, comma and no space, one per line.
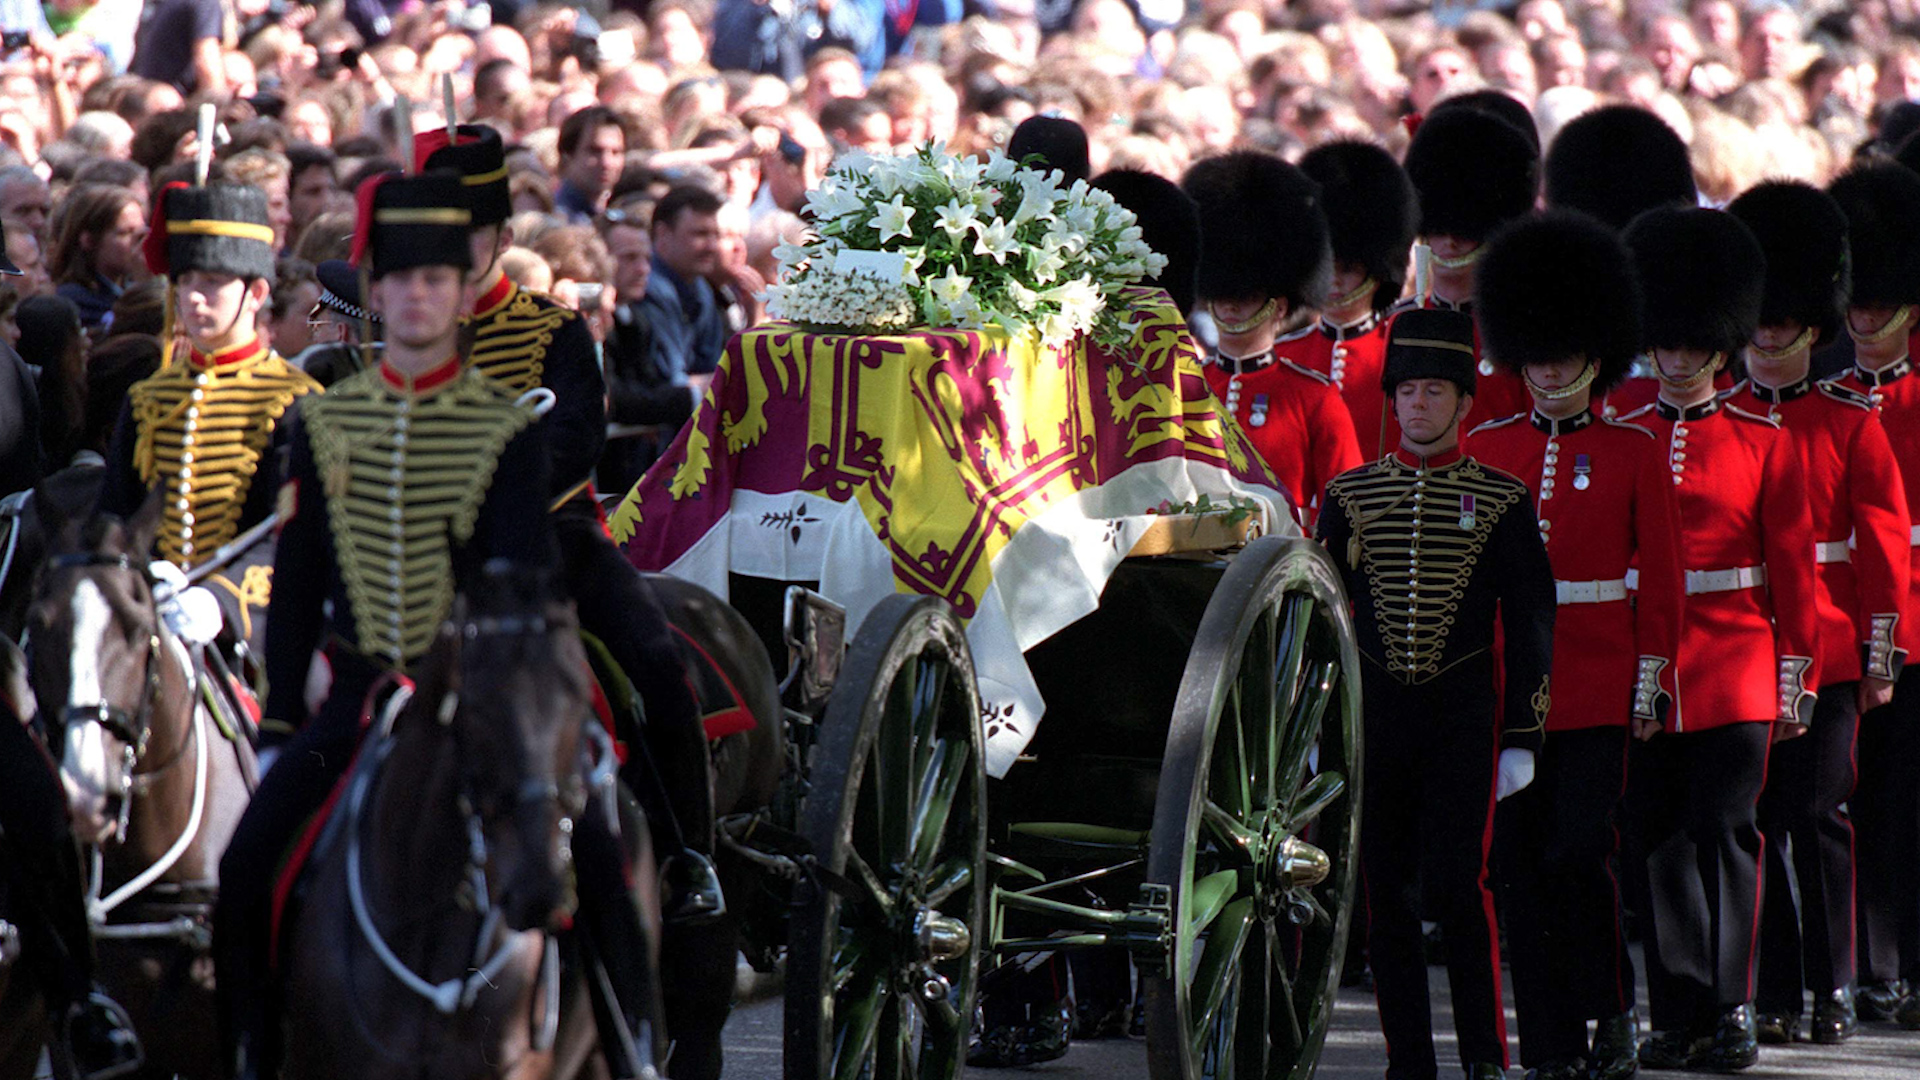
(886,933)
(1255,823)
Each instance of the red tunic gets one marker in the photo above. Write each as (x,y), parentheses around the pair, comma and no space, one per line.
(1747,653)
(1605,503)
(1893,393)
(1858,502)
(1497,394)
(1353,357)
(1293,417)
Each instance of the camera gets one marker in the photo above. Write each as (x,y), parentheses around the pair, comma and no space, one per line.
(14,39)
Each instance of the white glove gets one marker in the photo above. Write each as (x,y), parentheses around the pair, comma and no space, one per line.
(1515,773)
(191,612)
(266,756)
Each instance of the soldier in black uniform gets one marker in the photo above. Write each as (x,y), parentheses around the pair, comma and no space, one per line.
(472,471)
(524,340)
(1431,545)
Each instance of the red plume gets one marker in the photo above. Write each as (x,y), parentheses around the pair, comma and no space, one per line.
(154,247)
(363,214)
(431,141)
(1412,122)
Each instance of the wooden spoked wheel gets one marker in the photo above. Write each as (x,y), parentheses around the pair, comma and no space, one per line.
(1255,823)
(889,921)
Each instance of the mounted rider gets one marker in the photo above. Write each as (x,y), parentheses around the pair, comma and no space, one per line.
(402,483)
(525,341)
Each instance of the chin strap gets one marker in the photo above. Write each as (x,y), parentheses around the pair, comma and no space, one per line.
(1352,296)
(1895,323)
(1257,319)
(1459,262)
(1585,379)
(1692,382)
(1759,352)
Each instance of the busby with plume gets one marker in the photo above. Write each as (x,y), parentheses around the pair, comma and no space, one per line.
(481,161)
(218,228)
(410,221)
(1430,343)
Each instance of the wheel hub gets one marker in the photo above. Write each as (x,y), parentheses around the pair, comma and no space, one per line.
(940,937)
(1299,865)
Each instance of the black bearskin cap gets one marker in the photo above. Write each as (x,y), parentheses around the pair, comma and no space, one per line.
(1702,276)
(1617,162)
(1804,234)
(480,159)
(1169,223)
(219,228)
(1262,230)
(1059,142)
(1430,343)
(1473,171)
(1496,103)
(409,221)
(1882,204)
(1372,210)
(1557,286)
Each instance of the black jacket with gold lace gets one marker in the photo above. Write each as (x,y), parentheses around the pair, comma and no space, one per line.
(1431,551)
(208,430)
(525,340)
(397,492)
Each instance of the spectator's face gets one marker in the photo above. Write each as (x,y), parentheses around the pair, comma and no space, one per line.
(1768,50)
(1672,49)
(311,189)
(833,79)
(690,245)
(116,251)
(290,333)
(500,89)
(421,307)
(309,122)
(1901,79)
(677,42)
(632,252)
(912,126)
(24,249)
(279,210)
(743,180)
(1853,88)
(1566,63)
(1717,22)
(24,208)
(1541,19)
(595,165)
(1435,75)
(1512,69)
(874,134)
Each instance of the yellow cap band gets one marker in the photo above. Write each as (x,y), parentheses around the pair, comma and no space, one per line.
(422,215)
(485,177)
(242,230)
(1433,343)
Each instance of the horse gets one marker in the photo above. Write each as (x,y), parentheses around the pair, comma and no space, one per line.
(153,785)
(423,943)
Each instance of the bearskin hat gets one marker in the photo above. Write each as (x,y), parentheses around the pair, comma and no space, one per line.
(1882,204)
(1804,234)
(1372,211)
(1060,144)
(480,159)
(1473,171)
(1262,230)
(1496,103)
(1557,286)
(1702,277)
(409,221)
(1169,223)
(1430,343)
(1616,162)
(219,228)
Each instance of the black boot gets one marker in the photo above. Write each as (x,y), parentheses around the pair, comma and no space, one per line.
(101,1039)
(1834,1020)
(1484,1071)
(1734,1045)
(1616,1052)
(1878,1000)
(1907,1013)
(1572,1068)
(1670,1050)
(1776,1028)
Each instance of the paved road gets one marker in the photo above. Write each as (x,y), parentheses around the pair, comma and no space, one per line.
(1355,1050)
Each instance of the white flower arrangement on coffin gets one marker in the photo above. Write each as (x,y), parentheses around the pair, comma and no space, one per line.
(928,238)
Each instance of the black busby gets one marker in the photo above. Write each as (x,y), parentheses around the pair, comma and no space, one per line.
(1702,277)
(409,221)
(1804,234)
(340,290)
(1169,223)
(1617,162)
(1473,171)
(1058,142)
(480,159)
(1497,103)
(1372,211)
(1557,286)
(1882,204)
(218,228)
(1262,230)
(1430,343)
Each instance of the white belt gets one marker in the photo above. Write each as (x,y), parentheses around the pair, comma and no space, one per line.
(1712,581)
(1590,592)
(1916,536)
(1831,551)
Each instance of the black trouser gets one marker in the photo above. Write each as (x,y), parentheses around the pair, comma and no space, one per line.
(42,863)
(1886,820)
(1561,899)
(617,606)
(1809,780)
(1426,815)
(1693,798)
(308,768)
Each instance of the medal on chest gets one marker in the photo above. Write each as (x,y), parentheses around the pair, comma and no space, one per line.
(1582,472)
(1467,518)
(1259,415)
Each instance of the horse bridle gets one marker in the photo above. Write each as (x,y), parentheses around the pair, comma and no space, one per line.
(132,729)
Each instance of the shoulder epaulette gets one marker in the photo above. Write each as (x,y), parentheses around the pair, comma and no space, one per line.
(1641,411)
(1295,335)
(1728,393)
(1611,422)
(1500,423)
(1298,369)
(1735,410)
(1845,394)
(1405,303)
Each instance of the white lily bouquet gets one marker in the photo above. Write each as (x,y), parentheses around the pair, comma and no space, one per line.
(931,239)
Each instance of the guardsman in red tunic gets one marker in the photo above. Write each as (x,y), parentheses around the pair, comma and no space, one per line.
(1862,549)
(1474,172)
(1557,302)
(1747,668)
(1372,211)
(1264,254)
(1882,204)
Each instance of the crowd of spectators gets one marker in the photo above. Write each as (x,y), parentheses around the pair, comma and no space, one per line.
(661,152)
